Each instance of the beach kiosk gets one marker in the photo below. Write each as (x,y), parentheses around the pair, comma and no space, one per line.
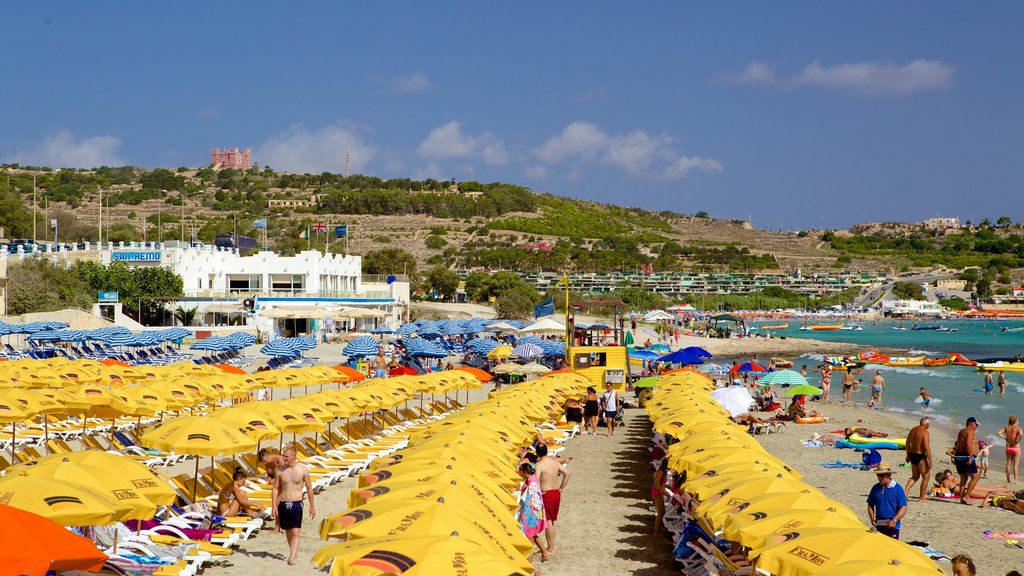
(601,364)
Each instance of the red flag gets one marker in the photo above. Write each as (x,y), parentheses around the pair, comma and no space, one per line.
(319,227)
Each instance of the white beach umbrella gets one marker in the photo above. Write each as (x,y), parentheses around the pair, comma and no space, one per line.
(736,399)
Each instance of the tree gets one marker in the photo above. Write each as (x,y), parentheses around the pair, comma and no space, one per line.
(475,285)
(436,242)
(14,217)
(186,316)
(444,282)
(515,303)
(701,214)
(908,290)
(39,285)
(502,282)
(142,290)
(389,261)
(1004,221)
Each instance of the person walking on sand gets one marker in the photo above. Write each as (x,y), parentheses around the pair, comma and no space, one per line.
(286,498)
(1012,435)
(965,453)
(887,503)
(552,476)
(919,455)
(877,387)
(591,411)
(531,508)
(610,401)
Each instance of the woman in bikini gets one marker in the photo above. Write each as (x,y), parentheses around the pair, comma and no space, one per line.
(948,484)
(1012,435)
(1011,503)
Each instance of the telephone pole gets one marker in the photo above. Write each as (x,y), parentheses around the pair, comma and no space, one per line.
(34,208)
(348,164)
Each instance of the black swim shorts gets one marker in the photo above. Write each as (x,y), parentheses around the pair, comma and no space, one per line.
(916,458)
(289,514)
(965,464)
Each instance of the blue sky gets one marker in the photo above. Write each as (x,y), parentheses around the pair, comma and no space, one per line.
(799,114)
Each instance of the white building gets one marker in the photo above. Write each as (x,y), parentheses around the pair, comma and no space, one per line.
(941,224)
(224,287)
(910,308)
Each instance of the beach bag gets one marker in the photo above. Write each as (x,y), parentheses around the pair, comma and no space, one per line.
(871,458)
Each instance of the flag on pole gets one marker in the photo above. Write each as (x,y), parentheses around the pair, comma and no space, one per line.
(304,234)
(261,223)
(564,281)
(545,308)
(341,231)
(319,227)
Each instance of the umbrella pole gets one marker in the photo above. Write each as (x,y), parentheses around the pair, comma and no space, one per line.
(195,481)
(46,432)
(13,461)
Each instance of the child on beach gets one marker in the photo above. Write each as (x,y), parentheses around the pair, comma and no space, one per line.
(926,398)
(531,508)
(982,458)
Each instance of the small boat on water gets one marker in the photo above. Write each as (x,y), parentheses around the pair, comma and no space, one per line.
(1021,329)
(853,327)
(1001,367)
(775,327)
(946,329)
(826,327)
(926,327)
(900,327)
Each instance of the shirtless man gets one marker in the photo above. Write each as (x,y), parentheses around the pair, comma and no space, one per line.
(965,452)
(286,497)
(919,455)
(877,387)
(380,365)
(926,398)
(552,476)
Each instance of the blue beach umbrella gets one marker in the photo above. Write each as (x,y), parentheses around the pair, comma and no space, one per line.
(527,350)
(680,357)
(360,347)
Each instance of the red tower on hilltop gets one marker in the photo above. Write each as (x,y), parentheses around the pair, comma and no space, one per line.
(231,158)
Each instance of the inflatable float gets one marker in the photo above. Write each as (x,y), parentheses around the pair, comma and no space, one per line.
(961,360)
(906,361)
(855,438)
(1002,367)
(810,420)
(936,362)
(826,327)
(868,446)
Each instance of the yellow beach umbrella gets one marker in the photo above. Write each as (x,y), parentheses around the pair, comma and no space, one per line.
(104,481)
(432,482)
(446,555)
(198,435)
(427,467)
(426,518)
(136,475)
(738,497)
(880,568)
(65,503)
(261,426)
(815,550)
(499,352)
(750,528)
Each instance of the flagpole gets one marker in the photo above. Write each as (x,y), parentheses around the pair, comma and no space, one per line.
(565,278)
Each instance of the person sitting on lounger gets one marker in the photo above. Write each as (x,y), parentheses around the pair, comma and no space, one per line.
(796,410)
(233,501)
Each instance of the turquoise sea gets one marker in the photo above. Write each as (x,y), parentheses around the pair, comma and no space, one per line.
(957,388)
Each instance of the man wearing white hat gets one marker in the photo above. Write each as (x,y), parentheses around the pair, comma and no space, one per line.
(887,503)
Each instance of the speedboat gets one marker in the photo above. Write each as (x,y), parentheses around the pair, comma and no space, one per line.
(946,329)
(928,327)
(853,327)
(1001,366)
(900,327)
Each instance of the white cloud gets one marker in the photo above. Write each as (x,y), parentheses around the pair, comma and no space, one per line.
(686,164)
(300,150)
(879,78)
(636,152)
(415,82)
(63,150)
(449,141)
(538,172)
(754,73)
(864,78)
(431,170)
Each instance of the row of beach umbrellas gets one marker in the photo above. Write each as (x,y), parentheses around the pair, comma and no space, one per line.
(769,511)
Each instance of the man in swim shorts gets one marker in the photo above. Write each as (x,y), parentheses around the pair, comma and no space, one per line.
(286,498)
(965,452)
(919,455)
(552,476)
(877,387)
(926,398)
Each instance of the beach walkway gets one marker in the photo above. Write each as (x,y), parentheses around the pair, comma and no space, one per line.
(605,525)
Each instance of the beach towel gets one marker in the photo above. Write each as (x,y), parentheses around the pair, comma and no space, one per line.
(991,535)
(531,508)
(813,444)
(841,464)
